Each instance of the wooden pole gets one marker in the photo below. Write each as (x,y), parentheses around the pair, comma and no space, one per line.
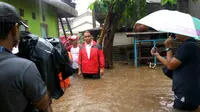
(63,28)
(69,27)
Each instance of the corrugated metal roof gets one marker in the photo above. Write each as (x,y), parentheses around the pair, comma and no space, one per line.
(63,9)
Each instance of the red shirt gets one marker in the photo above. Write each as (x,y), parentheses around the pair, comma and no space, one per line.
(93,64)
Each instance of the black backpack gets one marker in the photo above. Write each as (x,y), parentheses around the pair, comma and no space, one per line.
(47,59)
(66,67)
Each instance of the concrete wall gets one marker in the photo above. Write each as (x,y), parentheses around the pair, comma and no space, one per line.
(30,6)
(194,8)
(79,20)
(83,27)
(153,1)
(122,39)
(78,24)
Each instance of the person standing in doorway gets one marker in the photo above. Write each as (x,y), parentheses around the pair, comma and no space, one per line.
(91,58)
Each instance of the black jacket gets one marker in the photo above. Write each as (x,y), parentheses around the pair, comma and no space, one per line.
(47,59)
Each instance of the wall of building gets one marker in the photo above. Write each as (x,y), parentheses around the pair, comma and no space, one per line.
(33,6)
(81,20)
(83,27)
(122,39)
(194,8)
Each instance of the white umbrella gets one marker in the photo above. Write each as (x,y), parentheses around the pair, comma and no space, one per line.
(173,22)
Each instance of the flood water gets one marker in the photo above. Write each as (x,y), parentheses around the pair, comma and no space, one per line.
(122,89)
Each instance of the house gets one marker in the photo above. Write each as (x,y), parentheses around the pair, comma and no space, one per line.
(83,22)
(187,6)
(153,1)
(155,5)
(42,15)
(194,8)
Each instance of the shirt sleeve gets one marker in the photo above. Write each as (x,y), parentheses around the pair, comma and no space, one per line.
(33,85)
(79,57)
(186,51)
(101,56)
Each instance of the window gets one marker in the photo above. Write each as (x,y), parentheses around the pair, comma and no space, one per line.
(21,12)
(33,16)
(44,30)
(43,18)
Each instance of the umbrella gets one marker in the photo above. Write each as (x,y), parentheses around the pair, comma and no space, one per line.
(173,22)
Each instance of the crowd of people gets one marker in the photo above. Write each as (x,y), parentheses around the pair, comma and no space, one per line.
(23,86)
(87,59)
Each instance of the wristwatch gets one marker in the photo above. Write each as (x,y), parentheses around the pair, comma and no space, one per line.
(168,49)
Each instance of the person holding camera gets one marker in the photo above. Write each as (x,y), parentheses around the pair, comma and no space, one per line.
(184,69)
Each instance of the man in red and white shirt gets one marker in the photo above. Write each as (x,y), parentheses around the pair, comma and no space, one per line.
(91,58)
(74,50)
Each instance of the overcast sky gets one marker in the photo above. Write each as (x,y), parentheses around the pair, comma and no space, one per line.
(82,5)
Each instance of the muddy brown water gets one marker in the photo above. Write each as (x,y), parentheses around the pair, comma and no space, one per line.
(122,89)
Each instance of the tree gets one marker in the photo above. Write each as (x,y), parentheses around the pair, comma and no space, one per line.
(118,13)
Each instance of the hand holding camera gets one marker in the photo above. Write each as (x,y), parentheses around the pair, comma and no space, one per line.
(154,51)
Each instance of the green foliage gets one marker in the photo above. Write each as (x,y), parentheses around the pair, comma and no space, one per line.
(66,28)
(194,0)
(100,6)
(163,2)
(134,10)
(91,6)
(81,38)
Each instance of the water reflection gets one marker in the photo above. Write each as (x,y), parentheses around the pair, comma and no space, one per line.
(123,89)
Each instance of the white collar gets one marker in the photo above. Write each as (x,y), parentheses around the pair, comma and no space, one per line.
(91,43)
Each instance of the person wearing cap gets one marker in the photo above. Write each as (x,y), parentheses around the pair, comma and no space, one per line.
(91,58)
(20,84)
(74,50)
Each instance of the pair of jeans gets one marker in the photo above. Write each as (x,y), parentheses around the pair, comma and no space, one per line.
(91,76)
(75,71)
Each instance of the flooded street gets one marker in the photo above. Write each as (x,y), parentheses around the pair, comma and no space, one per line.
(122,89)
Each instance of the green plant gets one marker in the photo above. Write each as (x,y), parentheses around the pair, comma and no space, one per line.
(134,10)
(100,5)
(163,2)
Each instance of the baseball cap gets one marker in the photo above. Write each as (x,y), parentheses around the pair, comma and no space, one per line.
(9,14)
(73,37)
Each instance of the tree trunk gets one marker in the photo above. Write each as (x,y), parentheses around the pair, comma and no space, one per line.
(93,19)
(108,53)
(108,41)
(108,35)
(100,40)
